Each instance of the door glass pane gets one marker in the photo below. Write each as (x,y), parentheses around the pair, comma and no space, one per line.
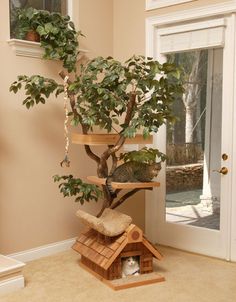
(194,142)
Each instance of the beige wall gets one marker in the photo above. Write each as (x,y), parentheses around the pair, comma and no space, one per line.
(96,23)
(32,211)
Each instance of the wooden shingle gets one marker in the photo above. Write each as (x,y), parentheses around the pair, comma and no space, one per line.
(103,251)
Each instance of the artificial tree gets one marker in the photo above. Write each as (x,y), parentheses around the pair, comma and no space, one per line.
(122,98)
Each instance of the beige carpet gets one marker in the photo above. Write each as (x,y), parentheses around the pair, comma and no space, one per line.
(189,278)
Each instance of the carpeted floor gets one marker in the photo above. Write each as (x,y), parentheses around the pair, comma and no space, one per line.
(189,278)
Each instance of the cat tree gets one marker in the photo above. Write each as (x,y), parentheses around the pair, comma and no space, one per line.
(107,241)
(125,112)
(128,101)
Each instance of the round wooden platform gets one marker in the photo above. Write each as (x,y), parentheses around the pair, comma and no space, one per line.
(123,185)
(106,139)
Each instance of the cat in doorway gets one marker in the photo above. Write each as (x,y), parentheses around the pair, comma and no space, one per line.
(130,266)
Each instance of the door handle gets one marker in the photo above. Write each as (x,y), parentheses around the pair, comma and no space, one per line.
(224,156)
(223,171)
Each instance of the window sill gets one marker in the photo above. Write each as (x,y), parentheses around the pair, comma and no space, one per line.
(29,49)
(26,48)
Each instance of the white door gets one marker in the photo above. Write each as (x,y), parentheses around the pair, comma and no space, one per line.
(192,208)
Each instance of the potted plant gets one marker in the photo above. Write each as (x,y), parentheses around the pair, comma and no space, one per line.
(56,34)
(122,98)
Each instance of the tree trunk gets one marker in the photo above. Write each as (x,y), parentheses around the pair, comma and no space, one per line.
(191,97)
(189,118)
(198,122)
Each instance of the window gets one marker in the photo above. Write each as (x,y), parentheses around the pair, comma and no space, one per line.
(49,5)
(194,141)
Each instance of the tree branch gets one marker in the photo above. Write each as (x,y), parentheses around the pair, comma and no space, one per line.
(126,196)
(114,162)
(121,139)
(130,108)
(87,147)
(106,201)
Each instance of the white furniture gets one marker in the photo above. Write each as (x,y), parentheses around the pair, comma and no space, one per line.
(11,277)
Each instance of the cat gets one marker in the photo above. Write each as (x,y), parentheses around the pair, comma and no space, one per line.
(130,267)
(132,171)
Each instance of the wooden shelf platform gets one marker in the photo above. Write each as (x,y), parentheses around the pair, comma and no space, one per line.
(128,282)
(123,185)
(106,139)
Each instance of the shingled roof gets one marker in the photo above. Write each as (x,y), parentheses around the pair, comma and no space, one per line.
(104,250)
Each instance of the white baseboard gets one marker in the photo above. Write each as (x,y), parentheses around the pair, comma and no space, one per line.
(11,285)
(43,251)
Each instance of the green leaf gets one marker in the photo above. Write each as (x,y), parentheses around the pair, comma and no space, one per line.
(100,91)
(76,187)
(116,121)
(144,155)
(146,133)
(56,178)
(41,30)
(13,88)
(75,121)
(28,105)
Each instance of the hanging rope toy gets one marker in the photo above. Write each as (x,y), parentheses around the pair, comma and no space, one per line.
(66,161)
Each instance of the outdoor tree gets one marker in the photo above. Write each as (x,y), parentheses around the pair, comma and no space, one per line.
(194,65)
(121,98)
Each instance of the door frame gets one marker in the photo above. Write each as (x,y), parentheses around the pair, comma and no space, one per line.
(155,204)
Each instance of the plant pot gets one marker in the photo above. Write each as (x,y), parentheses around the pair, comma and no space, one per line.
(32,35)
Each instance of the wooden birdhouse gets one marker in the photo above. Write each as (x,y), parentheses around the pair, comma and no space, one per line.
(102,255)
